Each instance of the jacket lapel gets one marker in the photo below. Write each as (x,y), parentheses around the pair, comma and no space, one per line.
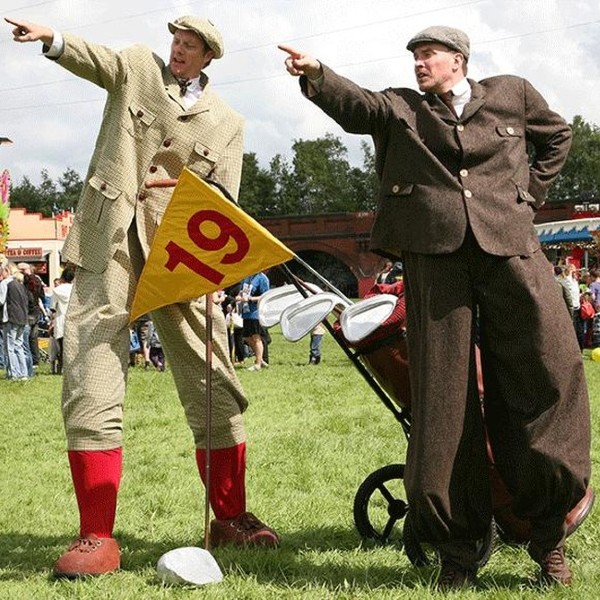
(439,108)
(476,102)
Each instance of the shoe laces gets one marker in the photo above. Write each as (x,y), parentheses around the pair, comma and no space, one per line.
(554,560)
(86,545)
(248,522)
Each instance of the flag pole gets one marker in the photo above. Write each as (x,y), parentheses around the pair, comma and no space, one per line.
(208,428)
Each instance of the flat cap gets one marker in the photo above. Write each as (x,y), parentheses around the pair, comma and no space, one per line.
(455,39)
(204,28)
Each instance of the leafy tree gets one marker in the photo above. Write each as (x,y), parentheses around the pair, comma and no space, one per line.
(257,188)
(25,195)
(579,180)
(70,189)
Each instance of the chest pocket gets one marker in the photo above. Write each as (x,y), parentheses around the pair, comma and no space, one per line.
(509,131)
(138,120)
(203,159)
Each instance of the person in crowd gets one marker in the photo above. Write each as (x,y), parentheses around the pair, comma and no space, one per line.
(159,117)
(36,310)
(141,329)
(59,304)
(457,197)
(252,288)
(569,281)
(14,304)
(157,356)
(595,288)
(385,271)
(316,341)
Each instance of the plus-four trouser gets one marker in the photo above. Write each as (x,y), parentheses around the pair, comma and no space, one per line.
(535,402)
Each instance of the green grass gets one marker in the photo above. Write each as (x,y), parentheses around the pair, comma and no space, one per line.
(314,434)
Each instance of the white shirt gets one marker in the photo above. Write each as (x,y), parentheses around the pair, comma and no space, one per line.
(60,302)
(461,94)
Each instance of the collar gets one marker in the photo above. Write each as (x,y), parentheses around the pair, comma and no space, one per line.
(462,89)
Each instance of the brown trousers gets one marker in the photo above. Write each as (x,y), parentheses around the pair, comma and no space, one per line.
(535,402)
(96,358)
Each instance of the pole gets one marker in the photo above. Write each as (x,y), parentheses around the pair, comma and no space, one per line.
(208,428)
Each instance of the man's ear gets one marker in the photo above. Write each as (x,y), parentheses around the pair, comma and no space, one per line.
(459,60)
(208,56)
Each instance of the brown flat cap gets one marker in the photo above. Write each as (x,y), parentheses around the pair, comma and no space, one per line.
(455,39)
(204,28)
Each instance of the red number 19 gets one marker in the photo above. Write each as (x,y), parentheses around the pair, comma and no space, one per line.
(228,230)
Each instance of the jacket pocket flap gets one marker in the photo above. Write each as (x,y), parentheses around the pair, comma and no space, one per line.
(399,189)
(142,113)
(509,131)
(102,186)
(205,152)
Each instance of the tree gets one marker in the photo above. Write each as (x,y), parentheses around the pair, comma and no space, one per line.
(70,189)
(257,188)
(25,195)
(579,181)
(48,198)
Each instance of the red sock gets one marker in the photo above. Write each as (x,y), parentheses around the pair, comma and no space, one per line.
(227,479)
(96,477)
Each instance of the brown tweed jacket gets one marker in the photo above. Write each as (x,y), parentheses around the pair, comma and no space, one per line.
(146,133)
(438,173)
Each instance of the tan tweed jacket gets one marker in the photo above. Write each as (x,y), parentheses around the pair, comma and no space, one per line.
(146,133)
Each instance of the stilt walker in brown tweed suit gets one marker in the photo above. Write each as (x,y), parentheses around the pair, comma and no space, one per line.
(456,202)
(158,119)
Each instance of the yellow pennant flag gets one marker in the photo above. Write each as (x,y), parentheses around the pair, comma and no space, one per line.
(204,243)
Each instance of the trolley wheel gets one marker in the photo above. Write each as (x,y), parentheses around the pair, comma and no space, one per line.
(379,504)
(422,555)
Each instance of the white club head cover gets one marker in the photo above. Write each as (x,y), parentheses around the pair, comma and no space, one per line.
(189,565)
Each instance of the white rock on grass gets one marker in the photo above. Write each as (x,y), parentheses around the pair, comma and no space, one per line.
(189,565)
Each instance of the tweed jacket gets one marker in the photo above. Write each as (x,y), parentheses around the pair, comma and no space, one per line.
(439,173)
(146,133)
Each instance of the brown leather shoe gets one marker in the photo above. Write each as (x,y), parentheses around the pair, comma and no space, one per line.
(245,530)
(554,566)
(89,556)
(455,578)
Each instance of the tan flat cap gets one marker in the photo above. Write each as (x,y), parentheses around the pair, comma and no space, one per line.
(455,39)
(204,28)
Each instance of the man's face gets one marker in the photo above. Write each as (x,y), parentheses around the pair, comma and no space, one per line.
(189,55)
(437,68)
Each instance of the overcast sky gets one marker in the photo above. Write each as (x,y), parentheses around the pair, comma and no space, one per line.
(53,117)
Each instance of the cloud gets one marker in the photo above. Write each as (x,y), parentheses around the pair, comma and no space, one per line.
(53,118)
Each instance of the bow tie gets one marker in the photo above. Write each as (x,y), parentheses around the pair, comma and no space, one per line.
(184,84)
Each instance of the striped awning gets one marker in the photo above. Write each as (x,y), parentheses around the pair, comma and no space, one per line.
(574,230)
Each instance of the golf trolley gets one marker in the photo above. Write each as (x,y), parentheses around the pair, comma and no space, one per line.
(372,334)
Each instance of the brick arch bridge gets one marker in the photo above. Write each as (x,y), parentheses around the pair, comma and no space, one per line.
(336,243)
(342,239)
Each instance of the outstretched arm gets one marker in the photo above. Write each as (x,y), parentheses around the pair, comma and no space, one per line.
(24,31)
(298,63)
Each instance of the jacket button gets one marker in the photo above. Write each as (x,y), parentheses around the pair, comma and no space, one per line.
(103,186)
(167,143)
(142,196)
(396,189)
(460,128)
(140,113)
(206,152)
(153,169)
(184,117)
(468,194)
(510,130)
(463,172)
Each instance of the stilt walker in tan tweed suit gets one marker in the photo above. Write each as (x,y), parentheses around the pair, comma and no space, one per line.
(158,118)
